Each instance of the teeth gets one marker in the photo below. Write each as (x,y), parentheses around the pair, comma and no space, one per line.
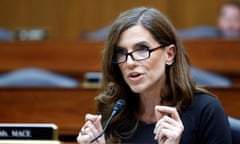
(134,75)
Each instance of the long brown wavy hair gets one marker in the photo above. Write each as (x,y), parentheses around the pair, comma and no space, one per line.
(180,88)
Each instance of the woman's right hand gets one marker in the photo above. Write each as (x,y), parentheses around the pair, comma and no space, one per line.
(91,129)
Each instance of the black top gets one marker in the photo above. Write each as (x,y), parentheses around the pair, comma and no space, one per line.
(205,122)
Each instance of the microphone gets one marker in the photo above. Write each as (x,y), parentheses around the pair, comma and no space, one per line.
(118,106)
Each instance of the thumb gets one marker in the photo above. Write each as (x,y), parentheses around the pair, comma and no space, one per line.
(97,122)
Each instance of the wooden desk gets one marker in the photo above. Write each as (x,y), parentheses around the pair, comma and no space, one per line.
(64,107)
(216,55)
(70,57)
(67,107)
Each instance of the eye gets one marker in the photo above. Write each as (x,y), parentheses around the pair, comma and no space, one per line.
(120,51)
(142,48)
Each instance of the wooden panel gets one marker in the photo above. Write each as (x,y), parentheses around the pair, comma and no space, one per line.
(220,56)
(188,13)
(64,18)
(64,107)
(25,14)
(67,18)
(69,57)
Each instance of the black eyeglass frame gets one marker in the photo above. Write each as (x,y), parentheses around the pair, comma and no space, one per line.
(130,53)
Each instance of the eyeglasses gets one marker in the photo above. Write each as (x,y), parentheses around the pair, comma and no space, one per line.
(139,54)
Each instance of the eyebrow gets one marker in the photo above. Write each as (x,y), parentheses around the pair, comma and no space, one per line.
(136,45)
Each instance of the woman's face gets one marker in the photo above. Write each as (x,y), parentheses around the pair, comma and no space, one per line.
(149,74)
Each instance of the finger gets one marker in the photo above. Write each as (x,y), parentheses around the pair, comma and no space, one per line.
(98,123)
(95,119)
(163,124)
(165,119)
(169,120)
(93,130)
(161,138)
(89,131)
(157,125)
(174,124)
(91,117)
(172,111)
(169,131)
(159,135)
(83,129)
(83,139)
(169,134)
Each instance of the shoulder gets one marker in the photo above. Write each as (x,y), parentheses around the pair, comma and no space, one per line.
(210,115)
(202,100)
(203,118)
(204,105)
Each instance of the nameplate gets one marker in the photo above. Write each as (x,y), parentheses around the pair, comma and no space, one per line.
(28,131)
(30,142)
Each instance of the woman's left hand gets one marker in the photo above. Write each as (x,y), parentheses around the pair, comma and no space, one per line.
(169,127)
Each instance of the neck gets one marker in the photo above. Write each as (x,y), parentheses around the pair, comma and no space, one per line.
(147,113)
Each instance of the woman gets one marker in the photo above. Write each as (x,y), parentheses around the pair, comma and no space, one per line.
(145,64)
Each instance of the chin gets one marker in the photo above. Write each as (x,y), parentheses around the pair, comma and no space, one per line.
(137,89)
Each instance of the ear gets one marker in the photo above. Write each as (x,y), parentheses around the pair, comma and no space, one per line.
(170,52)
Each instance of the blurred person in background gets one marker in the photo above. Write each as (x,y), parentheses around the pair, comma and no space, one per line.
(228,25)
(229,20)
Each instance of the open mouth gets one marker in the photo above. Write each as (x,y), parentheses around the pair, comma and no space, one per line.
(135,76)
